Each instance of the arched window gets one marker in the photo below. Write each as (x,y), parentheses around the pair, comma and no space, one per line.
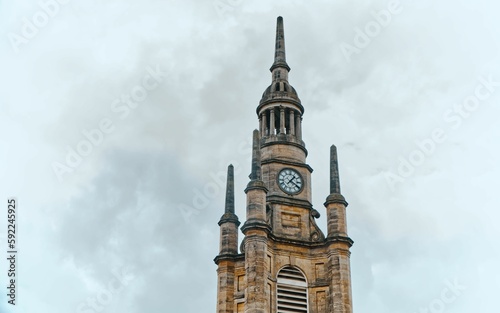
(292,291)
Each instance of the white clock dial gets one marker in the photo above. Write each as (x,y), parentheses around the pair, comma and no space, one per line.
(290,181)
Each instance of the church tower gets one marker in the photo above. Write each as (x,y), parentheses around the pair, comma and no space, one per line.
(285,263)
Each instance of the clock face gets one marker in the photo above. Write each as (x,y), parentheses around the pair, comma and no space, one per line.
(290,181)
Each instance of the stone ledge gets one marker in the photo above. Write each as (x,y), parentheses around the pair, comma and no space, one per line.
(275,140)
(256,184)
(229,257)
(276,199)
(340,238)
(229,218)
(298,164)
(255,224)
(335,198)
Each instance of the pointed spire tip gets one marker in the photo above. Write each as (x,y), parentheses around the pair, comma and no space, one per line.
(279,53)
(230,190)
(334,171)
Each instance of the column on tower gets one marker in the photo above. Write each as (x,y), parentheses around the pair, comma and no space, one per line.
(339,243)
(335,203)
(282,120)
(256,232)
(272,119)
(298,125)
(264,124)
(261,125)
(292,122)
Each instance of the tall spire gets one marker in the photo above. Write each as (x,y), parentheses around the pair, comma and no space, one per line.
(335,195)
(334,171)
(229,214)
(230,190)
(280,110)
(228,223)
(279,54)
(256,165)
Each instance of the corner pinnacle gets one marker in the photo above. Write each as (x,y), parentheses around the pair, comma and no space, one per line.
(230,190)
(334,171)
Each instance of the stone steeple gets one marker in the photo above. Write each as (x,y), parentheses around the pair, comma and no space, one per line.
(280,110)
(286,263)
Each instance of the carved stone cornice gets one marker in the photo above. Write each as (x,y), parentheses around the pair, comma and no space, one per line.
(336,198)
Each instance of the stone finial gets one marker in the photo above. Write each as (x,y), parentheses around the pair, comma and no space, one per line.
(334,171)
(256,165)
(279,54)
(229,212)
(230,190)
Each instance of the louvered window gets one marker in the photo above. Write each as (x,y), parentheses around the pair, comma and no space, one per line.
(292,291)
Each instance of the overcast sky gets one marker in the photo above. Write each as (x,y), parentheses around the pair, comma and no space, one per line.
(126,221)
